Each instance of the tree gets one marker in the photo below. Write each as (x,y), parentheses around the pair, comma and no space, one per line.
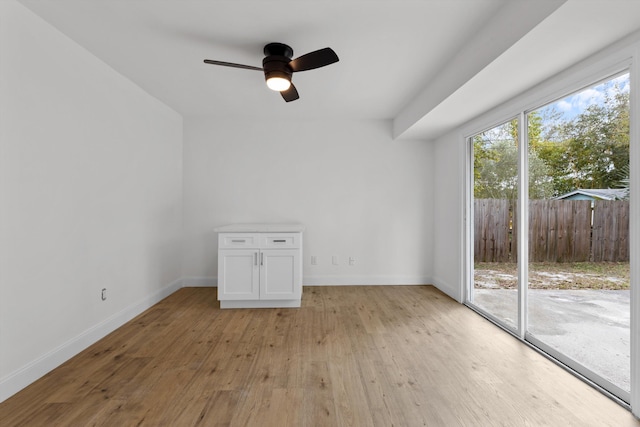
(592,149)
(555,155)
(496,166)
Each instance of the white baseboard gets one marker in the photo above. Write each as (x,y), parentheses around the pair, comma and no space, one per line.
(445,287)
(338,280)
(199,282)
(16,381)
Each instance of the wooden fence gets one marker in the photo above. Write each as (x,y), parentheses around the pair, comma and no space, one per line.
(559,230)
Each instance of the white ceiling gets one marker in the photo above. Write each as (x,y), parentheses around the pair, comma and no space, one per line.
(407,61)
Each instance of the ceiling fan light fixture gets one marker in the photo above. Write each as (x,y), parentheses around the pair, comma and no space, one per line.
(278,84)
(278,66)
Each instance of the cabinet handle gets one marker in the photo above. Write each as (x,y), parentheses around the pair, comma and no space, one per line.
(255,256)
(238,241)
(280,241)
(261,258)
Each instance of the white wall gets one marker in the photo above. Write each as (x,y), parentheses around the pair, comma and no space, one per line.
(448,258)
(90,198)
(358,193)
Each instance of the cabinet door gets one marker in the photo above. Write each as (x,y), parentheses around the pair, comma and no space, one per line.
(280,274)
(238,274)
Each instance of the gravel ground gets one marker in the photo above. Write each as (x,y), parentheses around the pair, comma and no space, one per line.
(603,276)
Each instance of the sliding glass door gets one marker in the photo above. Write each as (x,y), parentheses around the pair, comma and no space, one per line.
(574,272)
(495,174)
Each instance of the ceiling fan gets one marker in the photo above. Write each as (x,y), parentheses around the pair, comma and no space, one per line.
(278,66)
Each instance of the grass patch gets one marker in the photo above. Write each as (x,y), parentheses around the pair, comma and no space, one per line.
(550,275)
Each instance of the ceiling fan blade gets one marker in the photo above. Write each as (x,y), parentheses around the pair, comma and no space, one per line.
(316,59)
(232,64)
(290,94)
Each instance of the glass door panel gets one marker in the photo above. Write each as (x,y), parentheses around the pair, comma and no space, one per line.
(495,179)
(578,285)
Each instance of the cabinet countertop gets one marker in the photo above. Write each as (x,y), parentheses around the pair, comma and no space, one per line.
(260,228)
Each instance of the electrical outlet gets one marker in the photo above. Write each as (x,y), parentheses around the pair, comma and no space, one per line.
(103,295)
(352,261)
(334,260)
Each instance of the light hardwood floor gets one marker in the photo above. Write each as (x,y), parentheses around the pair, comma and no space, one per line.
(350,356)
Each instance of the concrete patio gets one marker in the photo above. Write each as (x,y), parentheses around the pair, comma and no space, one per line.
(590,326)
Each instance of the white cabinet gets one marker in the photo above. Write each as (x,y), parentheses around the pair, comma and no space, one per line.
(238,274)
(260,265)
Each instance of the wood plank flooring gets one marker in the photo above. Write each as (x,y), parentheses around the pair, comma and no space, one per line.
(350,356)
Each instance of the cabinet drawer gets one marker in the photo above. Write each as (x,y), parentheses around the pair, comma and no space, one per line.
(238,240)
(281,240)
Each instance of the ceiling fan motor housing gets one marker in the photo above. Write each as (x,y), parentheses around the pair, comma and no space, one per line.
(278,49)
(276,61)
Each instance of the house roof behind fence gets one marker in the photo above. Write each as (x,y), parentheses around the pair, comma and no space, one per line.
(597,194)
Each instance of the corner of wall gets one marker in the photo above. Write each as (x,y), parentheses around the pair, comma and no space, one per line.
(448,289)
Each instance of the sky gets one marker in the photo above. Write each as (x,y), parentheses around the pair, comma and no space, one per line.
(570,106)
(573,105)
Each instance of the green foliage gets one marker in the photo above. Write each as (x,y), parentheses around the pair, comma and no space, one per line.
(555,156)
(597,143)
(591,150)
(496,166)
